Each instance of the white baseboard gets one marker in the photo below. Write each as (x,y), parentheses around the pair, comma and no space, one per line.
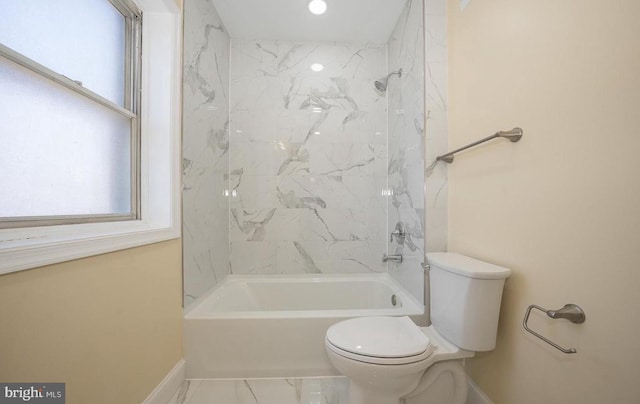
(476,395)
(168,386)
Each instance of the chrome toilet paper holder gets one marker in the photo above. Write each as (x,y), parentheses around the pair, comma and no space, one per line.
(571,312)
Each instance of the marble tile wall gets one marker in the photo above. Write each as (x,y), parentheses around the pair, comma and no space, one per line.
(308,158)
(304,155)
(406,115)
(418,132)
(205,149)
(436,131)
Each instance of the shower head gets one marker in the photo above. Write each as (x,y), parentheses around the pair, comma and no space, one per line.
(381,85)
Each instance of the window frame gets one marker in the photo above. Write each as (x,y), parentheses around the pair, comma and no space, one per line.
(131,110)
(160,167)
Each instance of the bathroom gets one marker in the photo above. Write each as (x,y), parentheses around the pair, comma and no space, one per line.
(558,208)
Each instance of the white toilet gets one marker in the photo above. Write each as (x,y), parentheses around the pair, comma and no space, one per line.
(390,358)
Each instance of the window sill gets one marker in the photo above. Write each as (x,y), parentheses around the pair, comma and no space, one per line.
(34,247)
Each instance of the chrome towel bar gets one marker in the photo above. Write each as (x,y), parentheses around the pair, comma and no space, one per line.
(571,312)
(513,135)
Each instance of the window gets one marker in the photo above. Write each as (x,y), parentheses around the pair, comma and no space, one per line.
(70,127)
(159,159)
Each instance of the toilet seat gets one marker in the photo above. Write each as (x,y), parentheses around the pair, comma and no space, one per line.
(379,340)
(405,360)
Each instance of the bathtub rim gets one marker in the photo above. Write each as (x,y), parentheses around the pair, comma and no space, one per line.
(411,306)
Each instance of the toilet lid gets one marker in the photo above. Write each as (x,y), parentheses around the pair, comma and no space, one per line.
(384,337)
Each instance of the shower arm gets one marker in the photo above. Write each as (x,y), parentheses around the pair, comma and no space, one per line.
(398,72)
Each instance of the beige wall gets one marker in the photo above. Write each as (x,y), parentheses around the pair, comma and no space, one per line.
(562,207)
(109,326)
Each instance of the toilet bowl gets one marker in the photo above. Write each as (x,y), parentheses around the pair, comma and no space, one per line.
(383,356)
(386,358)
(389,359)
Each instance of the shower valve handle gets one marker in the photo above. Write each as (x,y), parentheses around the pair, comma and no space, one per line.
(399,233)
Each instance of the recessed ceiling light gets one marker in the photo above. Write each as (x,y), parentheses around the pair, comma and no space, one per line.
(317,67)
(317,7)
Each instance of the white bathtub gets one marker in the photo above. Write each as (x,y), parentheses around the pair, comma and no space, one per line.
(274,326)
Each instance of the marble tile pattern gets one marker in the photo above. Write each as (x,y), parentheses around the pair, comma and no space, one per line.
(436,131)
(406,117)
(333,390)
(308,157)
(205,149)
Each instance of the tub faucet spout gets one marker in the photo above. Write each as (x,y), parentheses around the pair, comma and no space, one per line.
(393,258)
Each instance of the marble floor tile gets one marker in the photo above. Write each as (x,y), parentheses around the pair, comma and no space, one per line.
(332,390)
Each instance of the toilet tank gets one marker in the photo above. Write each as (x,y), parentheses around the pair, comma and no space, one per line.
(465,299)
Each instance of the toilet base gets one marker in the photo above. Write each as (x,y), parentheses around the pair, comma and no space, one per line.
(442,383)
(361,396)
(386,387)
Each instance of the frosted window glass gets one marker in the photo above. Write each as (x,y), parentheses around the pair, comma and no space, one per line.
(60,153)
(81,39)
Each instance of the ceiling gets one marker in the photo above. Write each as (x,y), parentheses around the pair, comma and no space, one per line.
(345,20)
